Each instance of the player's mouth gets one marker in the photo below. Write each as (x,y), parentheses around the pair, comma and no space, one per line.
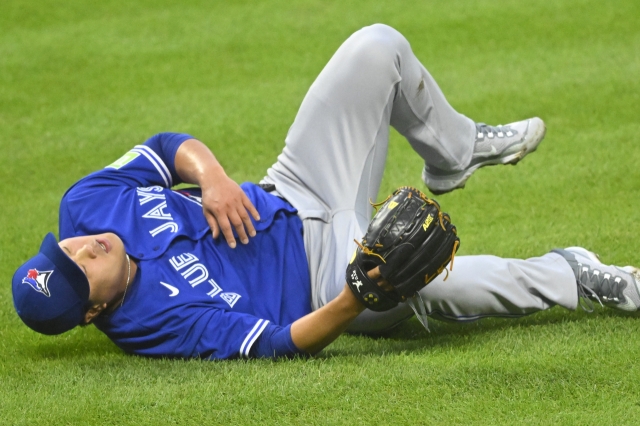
(104,244)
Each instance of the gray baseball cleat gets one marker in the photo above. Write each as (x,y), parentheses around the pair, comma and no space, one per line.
(506,144)
(610,285)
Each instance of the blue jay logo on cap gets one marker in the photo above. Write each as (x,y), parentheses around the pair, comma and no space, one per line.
(38,281)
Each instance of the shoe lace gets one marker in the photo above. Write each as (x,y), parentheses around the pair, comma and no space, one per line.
(484,130)
(598,285)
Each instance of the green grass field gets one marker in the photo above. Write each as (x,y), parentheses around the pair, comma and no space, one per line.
(82,81)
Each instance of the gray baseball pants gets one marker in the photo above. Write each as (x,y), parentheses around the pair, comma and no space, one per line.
(333,163)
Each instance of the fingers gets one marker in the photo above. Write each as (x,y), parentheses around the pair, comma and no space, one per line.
(375,275)
(229,211)
(227,232)
(222,225)
(238,218)
(248,208)
(213,224)
(234,219)
(385,285)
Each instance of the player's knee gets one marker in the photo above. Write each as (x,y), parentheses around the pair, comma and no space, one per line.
(382,30)
(380,39)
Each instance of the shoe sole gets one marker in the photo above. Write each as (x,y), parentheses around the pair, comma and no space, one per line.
(458,181)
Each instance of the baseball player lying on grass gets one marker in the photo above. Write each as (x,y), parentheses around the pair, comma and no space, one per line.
(144,262)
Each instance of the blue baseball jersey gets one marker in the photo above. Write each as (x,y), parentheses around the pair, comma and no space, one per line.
(192,296)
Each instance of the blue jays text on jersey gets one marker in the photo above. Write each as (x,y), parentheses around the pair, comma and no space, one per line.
(193,296)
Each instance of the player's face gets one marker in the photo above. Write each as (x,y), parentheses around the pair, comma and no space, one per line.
(102,258)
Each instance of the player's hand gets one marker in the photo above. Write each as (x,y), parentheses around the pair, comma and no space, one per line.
(226,207)
(375,275)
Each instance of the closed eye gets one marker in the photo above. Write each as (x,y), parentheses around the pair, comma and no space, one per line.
(82,266)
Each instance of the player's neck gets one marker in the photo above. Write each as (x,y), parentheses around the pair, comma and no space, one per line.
(121,297)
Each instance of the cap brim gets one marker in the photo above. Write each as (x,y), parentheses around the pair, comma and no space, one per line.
(72,272)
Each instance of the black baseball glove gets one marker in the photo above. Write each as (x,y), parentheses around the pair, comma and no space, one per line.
(410,240)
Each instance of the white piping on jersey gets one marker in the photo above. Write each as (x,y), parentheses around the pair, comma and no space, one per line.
(157,163)
(252,337)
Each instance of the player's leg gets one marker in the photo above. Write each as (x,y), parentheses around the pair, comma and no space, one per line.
(489,286)
(485,286)
(335,151)
(336,148)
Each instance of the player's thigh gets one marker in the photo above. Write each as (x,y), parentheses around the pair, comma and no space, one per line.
(329,246)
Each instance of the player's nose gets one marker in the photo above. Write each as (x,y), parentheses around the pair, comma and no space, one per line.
(86,251)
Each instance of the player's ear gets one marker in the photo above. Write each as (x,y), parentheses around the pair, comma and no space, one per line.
(93,312)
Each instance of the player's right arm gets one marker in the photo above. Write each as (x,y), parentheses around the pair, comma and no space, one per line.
(225,206)
(165,160)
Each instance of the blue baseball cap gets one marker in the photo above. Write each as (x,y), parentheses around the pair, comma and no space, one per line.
(50,291)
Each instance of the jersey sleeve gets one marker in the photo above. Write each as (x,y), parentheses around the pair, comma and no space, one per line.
(196,331)
(274,342)
(262,340)
(149,164)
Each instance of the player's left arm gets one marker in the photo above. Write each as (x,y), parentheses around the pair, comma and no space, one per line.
(225,205)
(309,334)
(315,331)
